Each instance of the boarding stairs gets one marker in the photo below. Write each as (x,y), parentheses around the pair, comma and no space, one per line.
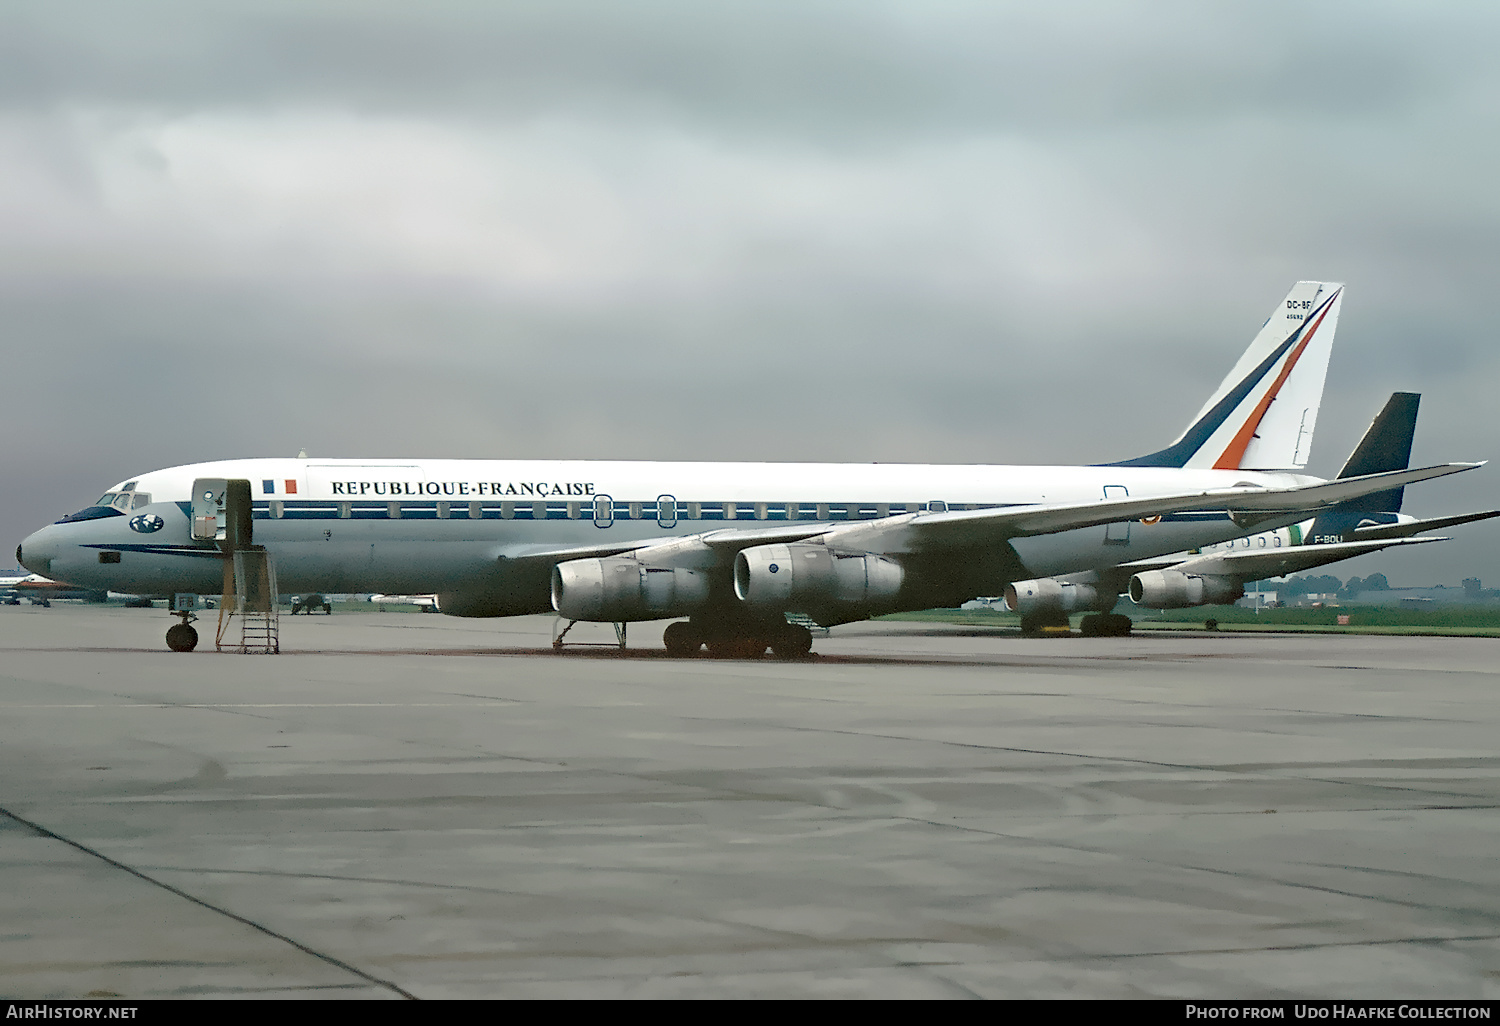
(252,599)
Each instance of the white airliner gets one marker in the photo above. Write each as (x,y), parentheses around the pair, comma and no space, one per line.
(736,547)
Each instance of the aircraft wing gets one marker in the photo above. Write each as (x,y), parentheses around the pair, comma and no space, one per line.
(1258,564)
(967,528)
(956,529)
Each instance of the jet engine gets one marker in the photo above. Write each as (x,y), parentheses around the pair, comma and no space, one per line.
(1173,589)
(801,577)
(620,589)
(1048,593)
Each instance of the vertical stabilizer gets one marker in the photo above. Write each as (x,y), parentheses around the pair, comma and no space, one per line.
(1261,417)
(1385,446)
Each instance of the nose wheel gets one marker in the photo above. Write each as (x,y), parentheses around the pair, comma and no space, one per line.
(181,637)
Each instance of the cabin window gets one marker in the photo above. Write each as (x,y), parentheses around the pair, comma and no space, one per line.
(393,510)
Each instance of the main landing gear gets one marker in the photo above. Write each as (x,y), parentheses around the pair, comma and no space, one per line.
(1095,625)
(1106,625)
(785,640)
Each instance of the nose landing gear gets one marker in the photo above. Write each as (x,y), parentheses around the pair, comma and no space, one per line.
(181,637)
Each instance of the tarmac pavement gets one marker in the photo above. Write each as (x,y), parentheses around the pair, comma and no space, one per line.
(413,805)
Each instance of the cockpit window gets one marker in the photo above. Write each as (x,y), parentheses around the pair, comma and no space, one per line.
(91,513)
(106,499)
(122,501)
(141,499)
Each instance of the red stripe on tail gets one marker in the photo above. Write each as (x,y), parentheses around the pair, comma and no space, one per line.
(1235,451)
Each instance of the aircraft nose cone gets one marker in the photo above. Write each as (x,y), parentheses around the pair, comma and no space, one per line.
(35,553)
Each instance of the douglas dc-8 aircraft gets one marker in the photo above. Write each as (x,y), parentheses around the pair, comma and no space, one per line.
(735,547)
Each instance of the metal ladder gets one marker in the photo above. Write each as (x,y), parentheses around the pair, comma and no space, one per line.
(559,634)
(250,593)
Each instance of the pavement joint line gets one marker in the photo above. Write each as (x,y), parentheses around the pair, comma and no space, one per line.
(1311,946)
(262,705)
(1229,771)
(117,864)
(1260,878)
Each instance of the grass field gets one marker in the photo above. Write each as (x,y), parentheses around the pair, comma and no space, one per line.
(1452,621)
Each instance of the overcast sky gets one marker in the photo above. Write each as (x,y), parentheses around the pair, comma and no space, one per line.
(904,231)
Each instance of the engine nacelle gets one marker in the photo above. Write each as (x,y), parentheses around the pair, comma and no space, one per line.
(1048,593)
(802,577)
(620,589)
(1173,589)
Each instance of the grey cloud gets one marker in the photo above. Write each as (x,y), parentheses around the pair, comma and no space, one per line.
(830,68)
(864,231)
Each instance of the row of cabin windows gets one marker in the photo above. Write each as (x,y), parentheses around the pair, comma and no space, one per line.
(602,509)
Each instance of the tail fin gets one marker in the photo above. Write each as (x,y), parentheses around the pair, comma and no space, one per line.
(1261,417)
(1386,445)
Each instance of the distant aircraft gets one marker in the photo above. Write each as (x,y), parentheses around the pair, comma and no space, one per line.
(1217,574)
(40,591)
(425,603)
(737,548)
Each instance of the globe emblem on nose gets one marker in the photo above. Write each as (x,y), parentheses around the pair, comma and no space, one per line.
(147,523)
(773,568)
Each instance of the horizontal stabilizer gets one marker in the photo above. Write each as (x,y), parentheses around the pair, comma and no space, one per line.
(1256,565)
(1418,526)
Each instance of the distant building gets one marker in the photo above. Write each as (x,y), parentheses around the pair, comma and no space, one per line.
(1422,598)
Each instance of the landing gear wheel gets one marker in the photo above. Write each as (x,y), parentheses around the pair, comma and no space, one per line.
(682,640)
(796,643)
(1106,625)
(181,638)
(736,648)
(1047,622)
